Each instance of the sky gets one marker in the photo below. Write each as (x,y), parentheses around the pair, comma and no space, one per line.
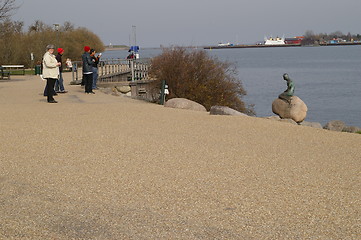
(151,23)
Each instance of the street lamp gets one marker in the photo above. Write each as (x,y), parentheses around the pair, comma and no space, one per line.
(56,28)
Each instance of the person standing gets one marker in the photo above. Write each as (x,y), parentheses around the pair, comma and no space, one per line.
(59,84)
(87,70)
(50,72)
(69,65)
(95,67)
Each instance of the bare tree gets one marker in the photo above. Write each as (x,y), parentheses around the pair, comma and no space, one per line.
(337,34)
(68,26)
(7,7)
(39,26)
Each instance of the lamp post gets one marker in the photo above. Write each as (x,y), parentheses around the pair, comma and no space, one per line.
(134,34)
(56,28)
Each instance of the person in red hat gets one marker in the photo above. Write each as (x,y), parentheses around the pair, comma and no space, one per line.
(87,70)
(59,85)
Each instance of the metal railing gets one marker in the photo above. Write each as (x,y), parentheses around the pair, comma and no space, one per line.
(109,69)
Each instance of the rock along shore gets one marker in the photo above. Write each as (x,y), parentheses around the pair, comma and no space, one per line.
(105,167)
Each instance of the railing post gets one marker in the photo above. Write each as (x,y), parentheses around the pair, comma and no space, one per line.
(76,71)
(73,71)
(132,69)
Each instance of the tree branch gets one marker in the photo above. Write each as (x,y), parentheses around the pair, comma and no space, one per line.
(7,7)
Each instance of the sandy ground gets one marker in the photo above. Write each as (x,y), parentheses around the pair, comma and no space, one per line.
(106,167)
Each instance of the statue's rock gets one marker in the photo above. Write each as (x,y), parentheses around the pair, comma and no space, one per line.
(295,110)
(223,110)
(184,104)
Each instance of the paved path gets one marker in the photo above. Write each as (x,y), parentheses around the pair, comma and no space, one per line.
(106,167)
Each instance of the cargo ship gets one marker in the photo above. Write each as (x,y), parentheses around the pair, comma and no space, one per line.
(283,40)
(294,40)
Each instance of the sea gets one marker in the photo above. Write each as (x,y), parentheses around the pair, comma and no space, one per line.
(327,78)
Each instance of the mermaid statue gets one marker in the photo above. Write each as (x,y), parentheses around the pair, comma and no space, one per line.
(288,93)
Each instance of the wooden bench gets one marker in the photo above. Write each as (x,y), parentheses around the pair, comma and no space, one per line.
(4,73)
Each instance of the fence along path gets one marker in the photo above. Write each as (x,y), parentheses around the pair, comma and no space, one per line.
(118,70)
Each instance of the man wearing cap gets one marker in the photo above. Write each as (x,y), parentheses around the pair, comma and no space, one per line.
(50,71)
(87,70)
(59,84)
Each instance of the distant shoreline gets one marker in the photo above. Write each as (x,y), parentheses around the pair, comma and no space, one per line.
(115,48)
(284,45)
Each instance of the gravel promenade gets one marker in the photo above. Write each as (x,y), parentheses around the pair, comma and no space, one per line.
(105,167)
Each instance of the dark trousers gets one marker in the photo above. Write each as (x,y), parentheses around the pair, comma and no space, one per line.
(50,82)
(88,81)
(46,91)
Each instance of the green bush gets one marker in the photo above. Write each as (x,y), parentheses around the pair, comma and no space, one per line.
(194,75)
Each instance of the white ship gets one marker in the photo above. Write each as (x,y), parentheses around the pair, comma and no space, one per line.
(274,41)
(225,44)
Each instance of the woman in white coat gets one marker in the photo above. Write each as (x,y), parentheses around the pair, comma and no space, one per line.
(50,71)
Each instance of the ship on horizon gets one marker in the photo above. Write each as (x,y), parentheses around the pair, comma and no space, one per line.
(268,42)
(274,41)
(283,41)
(225,44)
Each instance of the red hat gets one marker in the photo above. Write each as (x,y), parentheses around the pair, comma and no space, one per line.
(86,48)
(60,50)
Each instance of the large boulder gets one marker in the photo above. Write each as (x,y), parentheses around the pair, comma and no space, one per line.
(184,104)
(123,89)
(335,125)
(295,110)
(222,110)
(351,129)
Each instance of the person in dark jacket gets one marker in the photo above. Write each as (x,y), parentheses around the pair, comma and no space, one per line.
(95,67)
(59,84)
(87,70)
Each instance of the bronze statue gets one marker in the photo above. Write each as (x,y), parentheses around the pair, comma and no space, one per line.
(288,93)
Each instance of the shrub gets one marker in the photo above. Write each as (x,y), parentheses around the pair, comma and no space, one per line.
(16,44)
(194,75)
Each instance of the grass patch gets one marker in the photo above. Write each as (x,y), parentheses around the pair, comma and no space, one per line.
(21,72)
(28,72)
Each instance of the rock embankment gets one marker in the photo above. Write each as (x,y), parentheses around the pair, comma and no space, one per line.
(294,113)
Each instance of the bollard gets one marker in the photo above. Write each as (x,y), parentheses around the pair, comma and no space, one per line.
(37,69)
(163,91)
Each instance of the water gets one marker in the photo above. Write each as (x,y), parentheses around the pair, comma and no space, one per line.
(327,79)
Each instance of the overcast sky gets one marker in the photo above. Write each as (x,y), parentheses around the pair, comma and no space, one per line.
(195,22)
